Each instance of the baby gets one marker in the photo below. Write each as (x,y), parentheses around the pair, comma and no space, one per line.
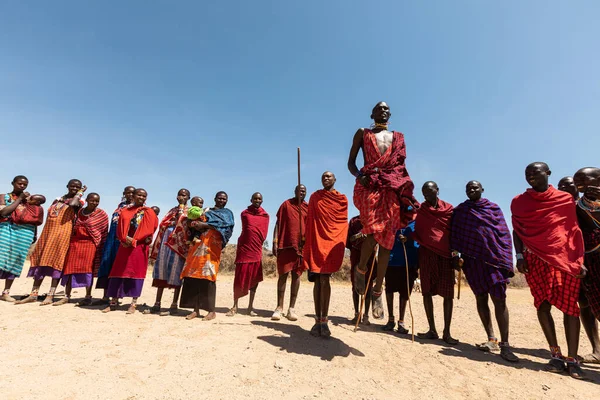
(30,213)
(156,210)
(196,213)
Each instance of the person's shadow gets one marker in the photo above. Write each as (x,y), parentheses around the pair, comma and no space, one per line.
(299,341)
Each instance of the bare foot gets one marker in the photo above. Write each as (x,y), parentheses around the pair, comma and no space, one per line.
(32,298)
(131,309)
(62,301)
(210,316)
(192,315)
(111,307)
(47,301)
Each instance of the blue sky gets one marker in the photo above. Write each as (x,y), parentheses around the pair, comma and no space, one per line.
(218,96)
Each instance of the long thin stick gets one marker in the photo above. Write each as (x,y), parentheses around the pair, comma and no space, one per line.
(412,318)
(299,203)
(459,281)
(367,284)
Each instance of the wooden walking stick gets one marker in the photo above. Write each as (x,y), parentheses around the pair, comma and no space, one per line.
(460,264)
(367,283)
(299,202)
(412,318)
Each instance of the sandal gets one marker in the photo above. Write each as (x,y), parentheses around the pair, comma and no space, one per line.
(489,346)
(556,366)
(590,359)
(574,370)
(85,302)
(450,340)
(377,305)
(131,309)
(8,298)
(429,335)
(389,326)
(402,330)
(291,315)
(32,298)
(365,321)
(316,329)
(353,320)
(507,354)
(173,311)
(111,307)
(276,315)
(64,300)
(193,315)
(325,332)
(155,309)
(232,311)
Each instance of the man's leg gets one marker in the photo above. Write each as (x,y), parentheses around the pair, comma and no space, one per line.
(382,264)
(556,363)
(251,301)
(365,317)
(281,282)
(176,294)
(325,297)
(428,304)
(316,329)
(590,325)
(448,307)
(356,303)
(291,314)
(572,328)
(366,250)
(389,299)
(483,309)
(156,307)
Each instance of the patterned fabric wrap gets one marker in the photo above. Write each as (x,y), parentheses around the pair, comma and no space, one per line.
(479,230)
(15,241)
(389,191)
(437,275)
(548,283)
(53,245)
(167,222)
(111,246)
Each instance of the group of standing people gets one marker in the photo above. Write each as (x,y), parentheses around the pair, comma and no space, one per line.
(556,237)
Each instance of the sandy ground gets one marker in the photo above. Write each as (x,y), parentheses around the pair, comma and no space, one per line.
(71,353)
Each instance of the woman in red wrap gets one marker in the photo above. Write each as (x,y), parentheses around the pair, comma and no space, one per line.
(85,250)
(136,227)
(550,250)
(324,247)
(432,232)
(248,260)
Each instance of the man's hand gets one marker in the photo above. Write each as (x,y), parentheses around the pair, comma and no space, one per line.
(128,242)
(364,180)
(402,238)
(457,263)
(582,272)
(522,266)
(83,189)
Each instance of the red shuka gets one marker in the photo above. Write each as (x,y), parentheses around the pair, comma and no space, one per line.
(288,224)
(166,222)
(27,214)
(326,232)
(255,227)
(432,227)
(547,225)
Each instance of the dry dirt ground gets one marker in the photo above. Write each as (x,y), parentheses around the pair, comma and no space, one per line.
(68,352)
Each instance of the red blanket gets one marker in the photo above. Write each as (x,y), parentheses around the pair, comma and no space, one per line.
(255,227)
(179,239)
(146,228)
(389,192)
(166,222)
(288,222)
(27,214)
(326,232)
(547,225)
(432,227)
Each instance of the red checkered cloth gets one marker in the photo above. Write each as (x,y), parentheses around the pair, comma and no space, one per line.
(390,189)
(548,283)
(87,242)
(437,275)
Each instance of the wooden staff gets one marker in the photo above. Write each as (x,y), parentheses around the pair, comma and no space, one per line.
(412,318)
(367,283)
(460,264)
(299,205)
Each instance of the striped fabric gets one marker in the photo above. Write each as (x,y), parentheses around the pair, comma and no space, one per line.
(168,265)
(15,241)
(51,250)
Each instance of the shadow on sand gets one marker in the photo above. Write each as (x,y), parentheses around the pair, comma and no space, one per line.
(299,341)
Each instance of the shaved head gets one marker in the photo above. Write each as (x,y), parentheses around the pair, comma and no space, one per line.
(539,164)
